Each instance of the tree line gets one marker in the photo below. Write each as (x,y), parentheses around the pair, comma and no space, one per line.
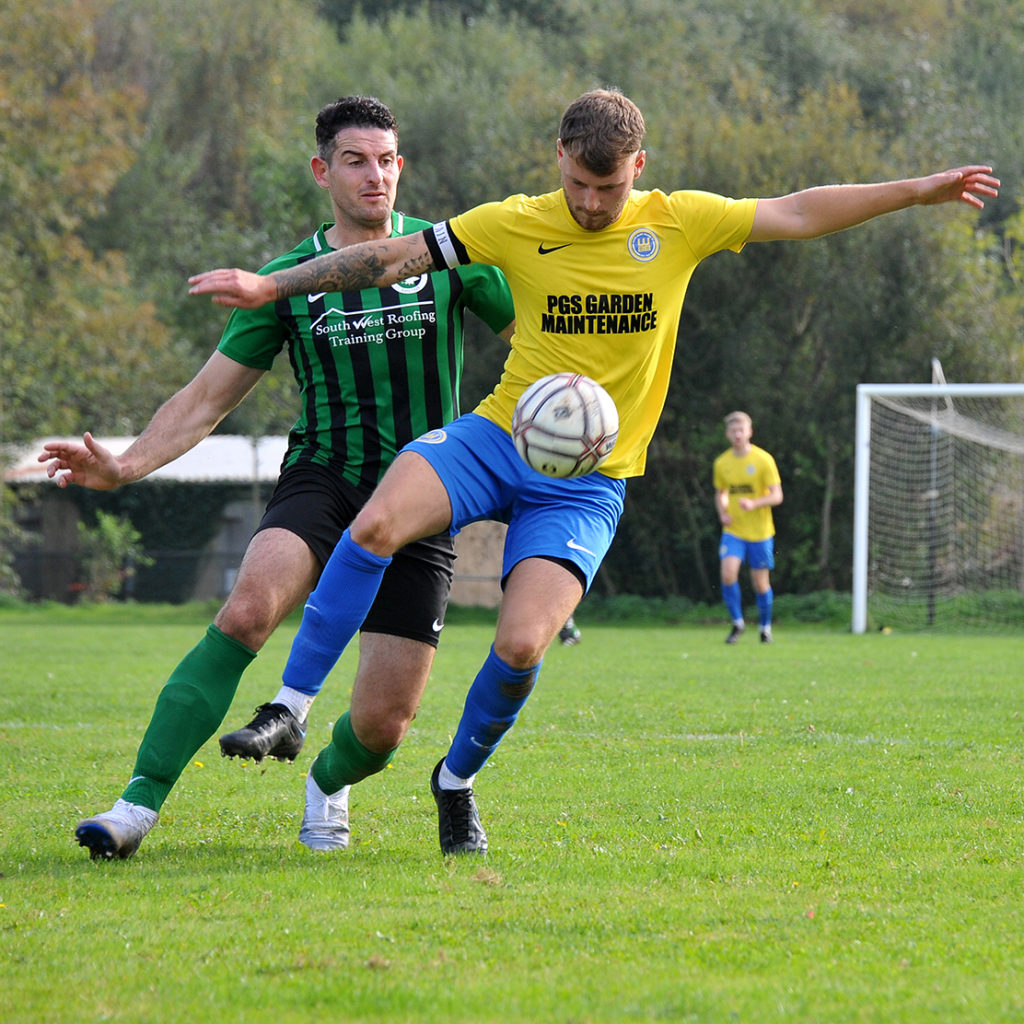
(143,140)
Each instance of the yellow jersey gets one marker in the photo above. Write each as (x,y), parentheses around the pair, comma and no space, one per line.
(747,476)
(604,303)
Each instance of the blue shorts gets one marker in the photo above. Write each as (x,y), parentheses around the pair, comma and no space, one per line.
(570,520)
(758,554)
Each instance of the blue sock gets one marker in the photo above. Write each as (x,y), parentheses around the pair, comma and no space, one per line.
(764,607)
(733,601)
(492,704)
(333,614)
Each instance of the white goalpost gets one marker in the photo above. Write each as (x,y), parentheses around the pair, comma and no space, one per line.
(939,505)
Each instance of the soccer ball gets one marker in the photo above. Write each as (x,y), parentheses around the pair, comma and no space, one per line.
(565,425)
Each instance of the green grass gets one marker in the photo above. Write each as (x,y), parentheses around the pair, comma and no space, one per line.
(829,829)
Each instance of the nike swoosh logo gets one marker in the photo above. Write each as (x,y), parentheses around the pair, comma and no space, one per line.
(312,297)
(437,626)
(545,249)
(573,546)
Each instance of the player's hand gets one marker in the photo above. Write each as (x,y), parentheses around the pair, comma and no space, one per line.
(88,464)
(971,185)
(234,287)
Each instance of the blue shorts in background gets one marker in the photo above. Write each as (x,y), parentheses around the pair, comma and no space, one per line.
(758,554)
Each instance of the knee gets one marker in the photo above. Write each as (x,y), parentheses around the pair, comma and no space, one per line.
(519,651)
(373,530)
(383,731)
(248,619)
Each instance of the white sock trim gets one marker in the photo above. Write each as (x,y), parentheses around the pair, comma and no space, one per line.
(447,780)
(132,813)
(297,702)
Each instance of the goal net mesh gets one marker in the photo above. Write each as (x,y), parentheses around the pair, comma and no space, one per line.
(946,511)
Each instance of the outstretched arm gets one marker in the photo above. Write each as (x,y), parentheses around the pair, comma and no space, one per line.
(178,425)
(820,211)
(367,265)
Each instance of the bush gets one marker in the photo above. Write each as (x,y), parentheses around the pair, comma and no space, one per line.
(109,553)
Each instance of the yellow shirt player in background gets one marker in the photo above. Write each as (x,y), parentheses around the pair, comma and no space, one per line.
(747,488)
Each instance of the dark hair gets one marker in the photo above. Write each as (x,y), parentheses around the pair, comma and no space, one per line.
(600,129)
(351,112)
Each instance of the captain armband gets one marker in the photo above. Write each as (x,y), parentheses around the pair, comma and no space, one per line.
(445,249)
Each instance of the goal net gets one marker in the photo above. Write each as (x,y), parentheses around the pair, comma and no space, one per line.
(939,506)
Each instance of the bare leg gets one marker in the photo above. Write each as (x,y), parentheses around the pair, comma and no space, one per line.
(389,685)
(276,575)
(539,596)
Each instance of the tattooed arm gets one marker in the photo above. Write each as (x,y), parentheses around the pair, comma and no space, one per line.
(367,265)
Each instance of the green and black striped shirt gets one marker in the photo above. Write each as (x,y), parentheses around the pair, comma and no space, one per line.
(375,368)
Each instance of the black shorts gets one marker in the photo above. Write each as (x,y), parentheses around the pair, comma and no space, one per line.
(316,504)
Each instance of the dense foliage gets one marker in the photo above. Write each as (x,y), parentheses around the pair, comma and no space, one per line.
(156,138)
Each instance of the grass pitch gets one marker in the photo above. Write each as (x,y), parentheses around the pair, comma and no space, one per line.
(827,829)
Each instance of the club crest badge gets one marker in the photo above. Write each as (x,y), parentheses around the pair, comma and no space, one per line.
(643,245)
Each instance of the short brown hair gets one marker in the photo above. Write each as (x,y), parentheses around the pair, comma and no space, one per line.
(351,112)
(601,129)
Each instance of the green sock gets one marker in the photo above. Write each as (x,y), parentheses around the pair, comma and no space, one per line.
(345,760)
(191,705)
